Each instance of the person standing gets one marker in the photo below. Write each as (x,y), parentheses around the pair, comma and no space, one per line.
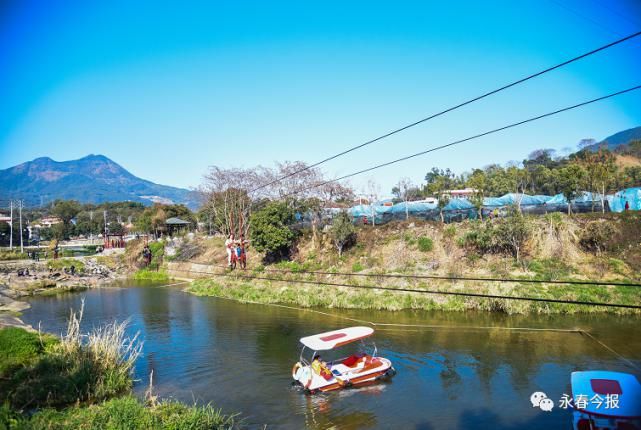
(627,205)
(229,247)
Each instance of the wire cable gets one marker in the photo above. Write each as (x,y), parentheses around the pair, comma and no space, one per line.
(436,292)
(443,277)
(457,142)
(450,109)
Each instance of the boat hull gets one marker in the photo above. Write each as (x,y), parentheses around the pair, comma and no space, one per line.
(345,377)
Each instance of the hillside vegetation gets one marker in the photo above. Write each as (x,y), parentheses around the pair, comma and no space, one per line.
(552,247)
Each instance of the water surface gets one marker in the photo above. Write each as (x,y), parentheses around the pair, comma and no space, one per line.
(239,357)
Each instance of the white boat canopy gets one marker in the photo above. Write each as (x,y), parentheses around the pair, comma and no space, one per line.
(336,338)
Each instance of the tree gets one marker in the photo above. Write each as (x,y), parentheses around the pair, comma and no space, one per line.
(632,176)
(226,195)
(438,182)
(116,228)
(342,231)
(406,191)
(271,231)
(602,171)
(512,233)
(586,144)
(570,179)
(477,181)
(66,210)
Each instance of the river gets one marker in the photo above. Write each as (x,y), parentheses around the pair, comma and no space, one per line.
(239,358)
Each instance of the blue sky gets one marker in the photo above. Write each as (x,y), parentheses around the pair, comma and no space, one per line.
(167,90)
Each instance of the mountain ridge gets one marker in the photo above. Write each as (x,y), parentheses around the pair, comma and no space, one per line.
(618,139)
(94,178)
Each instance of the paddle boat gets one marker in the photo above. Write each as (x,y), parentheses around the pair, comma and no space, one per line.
(595,388)
(355,370)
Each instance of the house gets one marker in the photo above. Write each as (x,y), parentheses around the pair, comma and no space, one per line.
(465,193)
(49,221)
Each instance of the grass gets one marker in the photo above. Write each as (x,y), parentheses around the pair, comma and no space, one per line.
(357,267)
(110,262)
(126,413)
(66,263)
(83,381)
(306,295)
(550,269)
(12,255)
(78,368)
(151,275)
(18,347)
(425,244)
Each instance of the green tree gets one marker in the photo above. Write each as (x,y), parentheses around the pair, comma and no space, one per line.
(570,179)
(342,231)
(66,210)
(271,231)
(632,176)
(116,228)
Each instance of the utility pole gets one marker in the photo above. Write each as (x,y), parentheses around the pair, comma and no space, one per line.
(11,225)
(20,204)
(90,225)
(104,213)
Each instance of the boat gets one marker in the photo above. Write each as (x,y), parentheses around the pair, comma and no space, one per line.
(595,387)
(355,370)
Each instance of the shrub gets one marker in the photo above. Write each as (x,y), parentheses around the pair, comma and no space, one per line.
(12,255)
(596,235)
(357,267)
(506,235)
(342,232)
(271,232)
(157,253)
(425,244)
(409,239)
(449,232)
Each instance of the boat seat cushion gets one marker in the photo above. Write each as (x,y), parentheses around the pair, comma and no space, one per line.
(352,360)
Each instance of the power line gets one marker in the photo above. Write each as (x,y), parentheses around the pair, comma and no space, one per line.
(450,109)
(457,142)
(436,292)
(443,277)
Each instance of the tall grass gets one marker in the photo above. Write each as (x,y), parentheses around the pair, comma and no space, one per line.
(107,350)
(81,368)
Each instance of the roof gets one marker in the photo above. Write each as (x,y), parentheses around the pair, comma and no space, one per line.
(176,221)
(603,383)
(336,338)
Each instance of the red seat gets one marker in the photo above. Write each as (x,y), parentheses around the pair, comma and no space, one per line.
(352,360)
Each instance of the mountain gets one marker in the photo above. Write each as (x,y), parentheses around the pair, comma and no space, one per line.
(92,179)
(621,138)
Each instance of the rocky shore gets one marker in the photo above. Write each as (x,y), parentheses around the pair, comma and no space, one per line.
(19,279)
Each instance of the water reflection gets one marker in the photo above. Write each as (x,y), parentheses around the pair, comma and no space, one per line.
(239,358)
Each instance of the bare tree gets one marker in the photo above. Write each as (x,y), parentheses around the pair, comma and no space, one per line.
(226,193)
(230,194)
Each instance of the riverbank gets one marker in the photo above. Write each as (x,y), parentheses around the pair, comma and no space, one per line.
(85,382)
(23,278)
(556,248)
(302,291)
